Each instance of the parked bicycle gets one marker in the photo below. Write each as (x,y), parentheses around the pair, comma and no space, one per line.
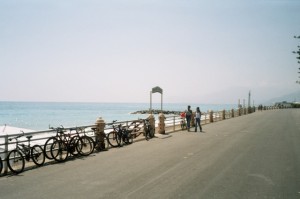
(83,144)
(120,135)
(62,146)
(114,137)
(66,144)
(47,146)
(135,127)
(149,131)
(16,158)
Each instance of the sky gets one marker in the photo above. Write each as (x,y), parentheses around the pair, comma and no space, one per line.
(197,51)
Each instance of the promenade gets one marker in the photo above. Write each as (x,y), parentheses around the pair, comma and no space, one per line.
(253,156)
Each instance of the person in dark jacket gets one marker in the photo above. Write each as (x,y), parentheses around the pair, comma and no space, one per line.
(188,116)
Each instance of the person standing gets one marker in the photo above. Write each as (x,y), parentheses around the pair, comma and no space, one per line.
(198,119)
(188,117)
(182,122)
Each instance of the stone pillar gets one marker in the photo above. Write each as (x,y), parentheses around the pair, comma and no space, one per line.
(161,124)
(152,121)
(232,112)
(249,110)
(211,116)
(99,133)
(224,116)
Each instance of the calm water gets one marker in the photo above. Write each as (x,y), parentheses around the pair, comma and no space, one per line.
(39,115)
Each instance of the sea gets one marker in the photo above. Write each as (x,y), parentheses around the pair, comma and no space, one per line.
(42,115)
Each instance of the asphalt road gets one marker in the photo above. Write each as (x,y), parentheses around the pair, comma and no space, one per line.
(253,156)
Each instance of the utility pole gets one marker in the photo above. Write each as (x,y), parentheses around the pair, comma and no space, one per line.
(298,57)
(249,99)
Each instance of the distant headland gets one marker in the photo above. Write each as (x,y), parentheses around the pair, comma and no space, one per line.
(157,111)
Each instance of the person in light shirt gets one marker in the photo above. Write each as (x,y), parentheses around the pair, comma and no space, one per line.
(198,118)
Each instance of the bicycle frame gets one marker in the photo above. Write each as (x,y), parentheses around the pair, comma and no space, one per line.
(148,129)
(24,149)
(134,127)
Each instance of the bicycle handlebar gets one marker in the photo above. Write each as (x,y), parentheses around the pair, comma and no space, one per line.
(58,129)
(15,138)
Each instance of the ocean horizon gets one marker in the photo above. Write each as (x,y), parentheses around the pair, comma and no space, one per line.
(41,115)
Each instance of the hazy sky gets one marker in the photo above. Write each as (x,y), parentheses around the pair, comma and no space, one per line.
(197,51)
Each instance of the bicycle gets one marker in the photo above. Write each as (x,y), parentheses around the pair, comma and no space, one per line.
(47,146)
(149,131)
(183,124)
(134,127)
(114,137)
(62,146)
(65,144)
(16,158)
(83,145)
(120,135)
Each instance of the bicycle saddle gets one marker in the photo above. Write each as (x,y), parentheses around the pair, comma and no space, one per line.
(29,136)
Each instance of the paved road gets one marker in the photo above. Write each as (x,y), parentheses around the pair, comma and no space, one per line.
(253,156)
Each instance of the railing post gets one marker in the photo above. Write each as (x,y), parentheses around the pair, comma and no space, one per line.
(211,116)
(4,161)
(174,123)
(206,117)
(224,116)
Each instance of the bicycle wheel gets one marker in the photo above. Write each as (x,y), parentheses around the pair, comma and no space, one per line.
(129,138)
(85,145)
(1,165)
(38,155)
(146,133)
(73,146)
(15,161)
(59,151)
(113,139)
(47,147)
(152,132)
